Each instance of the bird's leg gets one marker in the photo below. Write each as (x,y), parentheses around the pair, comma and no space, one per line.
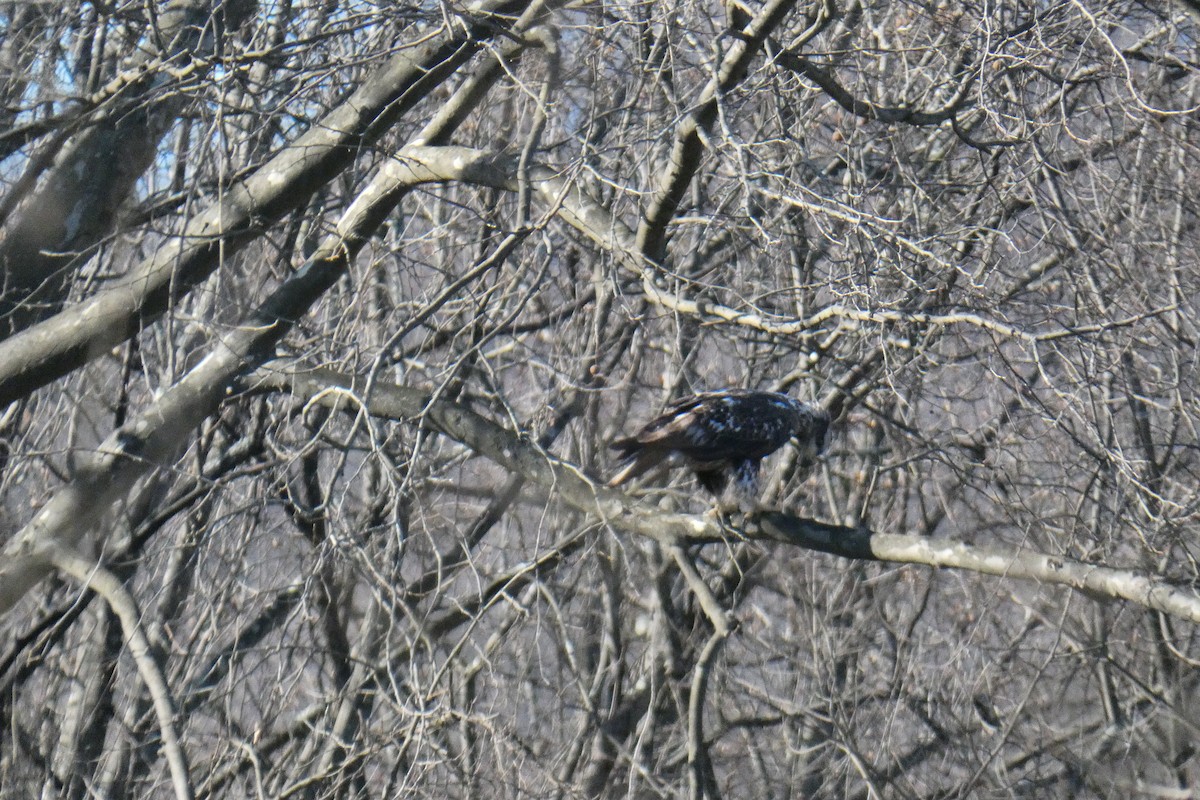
(720,515)
(724,515)
(745,486)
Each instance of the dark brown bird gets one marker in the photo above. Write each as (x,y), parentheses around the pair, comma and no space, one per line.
(719,433)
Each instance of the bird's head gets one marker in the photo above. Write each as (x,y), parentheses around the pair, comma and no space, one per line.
(820,431)
(811,431)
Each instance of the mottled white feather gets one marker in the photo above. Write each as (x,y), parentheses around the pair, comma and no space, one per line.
(719,434)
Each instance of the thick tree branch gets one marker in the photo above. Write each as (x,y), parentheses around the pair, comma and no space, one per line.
(570,484)
(1092,579)
(152,439)
(73,337)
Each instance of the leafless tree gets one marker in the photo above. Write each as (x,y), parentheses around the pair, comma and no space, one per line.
(319,316)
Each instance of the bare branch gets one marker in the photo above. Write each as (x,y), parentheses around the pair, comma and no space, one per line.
(82,332)
(97,577)
(567,482)
(868,110)
(687,149)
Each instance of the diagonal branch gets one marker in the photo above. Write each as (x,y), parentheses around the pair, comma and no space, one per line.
(514,451)
(152,439)
(688,148)
(868,110)
(73,337)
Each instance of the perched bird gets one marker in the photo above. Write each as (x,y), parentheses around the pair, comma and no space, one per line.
(718,433)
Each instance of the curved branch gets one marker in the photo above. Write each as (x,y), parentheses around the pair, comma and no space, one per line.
(701,781)
(99,579)
(579,208)
(868,110)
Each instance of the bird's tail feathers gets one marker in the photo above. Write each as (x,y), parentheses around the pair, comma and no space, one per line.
(627,447)
(630,470)
(637,460)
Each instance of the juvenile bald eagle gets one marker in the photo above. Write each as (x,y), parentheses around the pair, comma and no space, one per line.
(719,433)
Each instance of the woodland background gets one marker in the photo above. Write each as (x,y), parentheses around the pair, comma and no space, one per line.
(318,317)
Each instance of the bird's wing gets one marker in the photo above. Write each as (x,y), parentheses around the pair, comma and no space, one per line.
(736,426)
(669,429)
(715,426)
(653,444)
